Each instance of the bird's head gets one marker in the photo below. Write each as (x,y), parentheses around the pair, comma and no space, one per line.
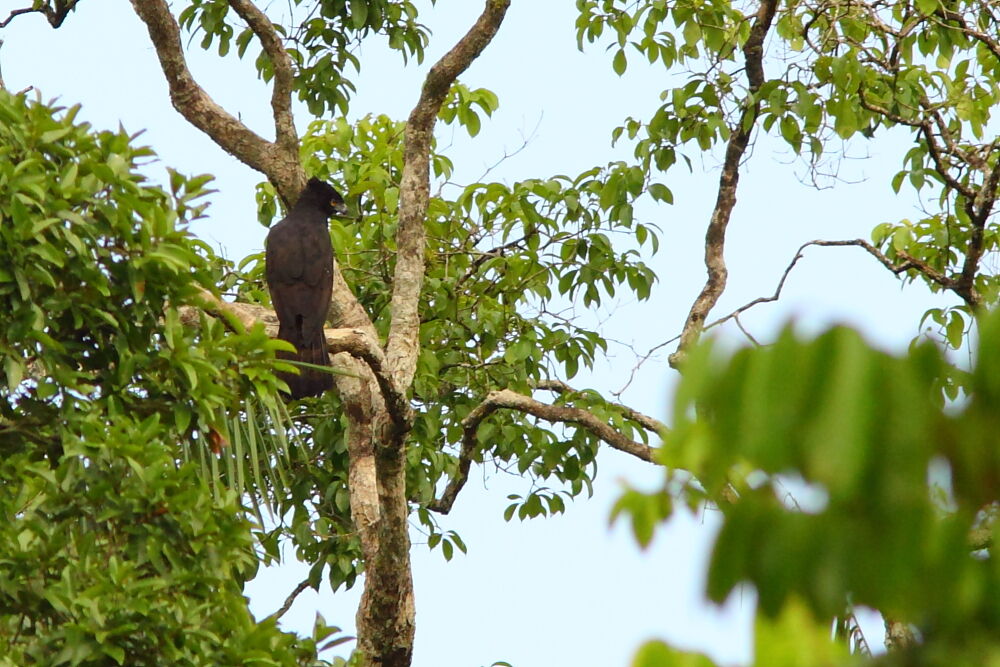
(322,195)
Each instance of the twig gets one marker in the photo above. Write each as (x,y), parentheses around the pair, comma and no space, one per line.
(18,12)
(647,422)
(290,600)
(510,400)
(736,318)
(55,15)
(525,140)
(910,263)
(861,243)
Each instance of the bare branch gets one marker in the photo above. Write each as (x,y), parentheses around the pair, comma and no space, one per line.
(647,422)
(511,400)
(281,93)
(414,190)
(19,12)
(54,15)
(279,163)
(715,238)
(290,600)
(910,263)
(745,332)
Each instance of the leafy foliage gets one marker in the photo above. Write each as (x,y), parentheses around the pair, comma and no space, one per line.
(321,43)
(854,432)
(500,259)
(105,534)
(792,638)
(840,72)
(848,476)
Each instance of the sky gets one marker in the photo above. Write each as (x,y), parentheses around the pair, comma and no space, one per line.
(567,590)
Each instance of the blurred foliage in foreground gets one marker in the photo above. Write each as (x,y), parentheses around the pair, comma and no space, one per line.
(842,473)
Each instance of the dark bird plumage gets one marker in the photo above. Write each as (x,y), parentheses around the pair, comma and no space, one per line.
(299,270)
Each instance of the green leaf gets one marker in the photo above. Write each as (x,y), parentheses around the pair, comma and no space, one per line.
(661,192)
(359,13)
(619,63)
(14,371)
(659,654)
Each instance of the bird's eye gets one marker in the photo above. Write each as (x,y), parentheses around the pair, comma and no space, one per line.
(334,202)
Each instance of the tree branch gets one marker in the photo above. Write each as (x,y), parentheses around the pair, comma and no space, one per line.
(979,210)
(358,343)
(414,191)
(715,238)
(281,92)
(279,162)
(989,41)
(511,400)
(290,600)
(54,15)
(647,422)
(910,263)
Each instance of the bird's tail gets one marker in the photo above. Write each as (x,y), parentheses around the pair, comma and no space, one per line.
(309,382)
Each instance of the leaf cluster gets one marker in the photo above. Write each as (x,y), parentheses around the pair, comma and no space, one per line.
(841,473)
(498,257)
(502,262)
(320,37)
(114,552)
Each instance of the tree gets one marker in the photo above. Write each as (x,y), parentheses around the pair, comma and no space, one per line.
(105,536)
(443,324)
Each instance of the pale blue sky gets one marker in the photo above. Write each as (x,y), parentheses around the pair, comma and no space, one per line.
(567,590)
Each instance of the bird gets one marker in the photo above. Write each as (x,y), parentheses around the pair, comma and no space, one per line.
(298,267)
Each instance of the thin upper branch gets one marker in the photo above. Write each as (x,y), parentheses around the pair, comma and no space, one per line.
(739,139)
(55,14)
(281,92)
(279,162)
(511,400)
(647,422)
(290,600)
(908,263)
(414,192)
(987,40)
